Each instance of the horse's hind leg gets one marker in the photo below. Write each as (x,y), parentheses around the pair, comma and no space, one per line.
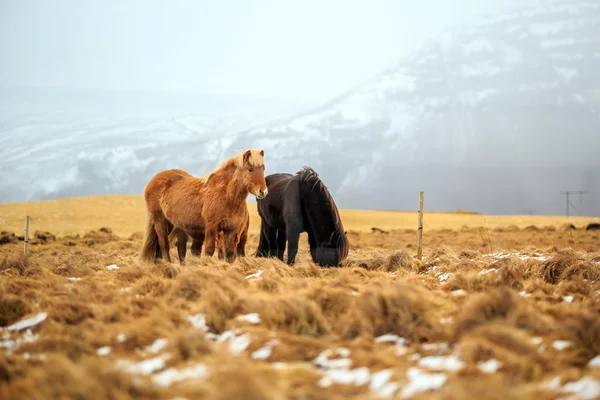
(161,225)
(197,242)
(267,242)
(211,236)
(182,238)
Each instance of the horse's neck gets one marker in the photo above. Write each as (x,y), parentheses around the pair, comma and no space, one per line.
(231,191)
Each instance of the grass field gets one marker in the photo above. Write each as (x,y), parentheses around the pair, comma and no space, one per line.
(500,307)
(125,215)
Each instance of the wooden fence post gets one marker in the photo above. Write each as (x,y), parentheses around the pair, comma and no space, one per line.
(26,238)
(420,229)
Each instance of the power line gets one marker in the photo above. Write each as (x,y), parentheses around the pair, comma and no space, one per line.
(569,192)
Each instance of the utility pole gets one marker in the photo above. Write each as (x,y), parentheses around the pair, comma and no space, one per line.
(568,192)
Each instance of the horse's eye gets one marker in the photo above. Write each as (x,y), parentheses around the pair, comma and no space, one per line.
(250,170)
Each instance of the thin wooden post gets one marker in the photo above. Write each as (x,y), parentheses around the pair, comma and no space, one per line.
(26,238)
(420,229)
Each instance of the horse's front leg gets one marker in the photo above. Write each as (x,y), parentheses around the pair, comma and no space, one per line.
(211,237)
(220,251)
(241,244)
(293,238)
(182,239)
(229,245)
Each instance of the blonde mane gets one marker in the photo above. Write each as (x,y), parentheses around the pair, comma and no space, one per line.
(255,160)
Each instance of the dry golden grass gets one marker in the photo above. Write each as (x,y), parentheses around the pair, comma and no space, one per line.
(125,215)
(518,324)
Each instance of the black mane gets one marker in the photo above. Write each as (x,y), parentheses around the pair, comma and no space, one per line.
(310,177)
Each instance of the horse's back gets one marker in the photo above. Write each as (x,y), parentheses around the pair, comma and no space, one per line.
(158,186)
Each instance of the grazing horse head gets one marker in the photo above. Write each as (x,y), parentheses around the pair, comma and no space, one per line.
(333,251)
(251,166)
(325,224)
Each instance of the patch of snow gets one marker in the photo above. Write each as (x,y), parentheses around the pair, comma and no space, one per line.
(399,342)
(522,257)
(12,344)
(126,290)
(172,375)
(585,388)
(103,351)
(448,363)
(380,386)
(561,344)
(490,366)
(145,367)
(420,381)
(279,365)
(536,340)
(112,267)
(524,294)
(255,275)
(458,292)
(239,344)
(568,299)
(121,337)
(444,277)
(358,376)
(389,338)
(74,279)
(594,362)
(323,360)
(253,318)
(157,345)
(28,323)
(198,321)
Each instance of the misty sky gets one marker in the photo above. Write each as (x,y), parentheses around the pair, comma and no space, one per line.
(308,50)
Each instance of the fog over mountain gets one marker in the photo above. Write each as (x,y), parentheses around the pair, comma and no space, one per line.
(496,116)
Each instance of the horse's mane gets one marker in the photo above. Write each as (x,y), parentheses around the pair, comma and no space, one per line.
(309,176)
(255,160)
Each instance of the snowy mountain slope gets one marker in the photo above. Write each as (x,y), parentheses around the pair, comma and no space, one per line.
(497,116)
(514,97)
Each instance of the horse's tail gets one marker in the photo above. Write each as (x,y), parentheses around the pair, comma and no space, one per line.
(148,252)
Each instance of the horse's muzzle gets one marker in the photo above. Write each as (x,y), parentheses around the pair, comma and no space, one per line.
(262,194)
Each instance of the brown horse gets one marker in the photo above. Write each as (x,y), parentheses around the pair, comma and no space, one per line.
(201,207)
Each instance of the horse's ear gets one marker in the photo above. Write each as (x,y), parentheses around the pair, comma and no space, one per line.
(247,155)
(262,153)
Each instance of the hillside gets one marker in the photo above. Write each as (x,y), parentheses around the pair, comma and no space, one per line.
(498,116)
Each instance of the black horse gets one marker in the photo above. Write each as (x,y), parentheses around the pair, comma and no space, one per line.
(295,204)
